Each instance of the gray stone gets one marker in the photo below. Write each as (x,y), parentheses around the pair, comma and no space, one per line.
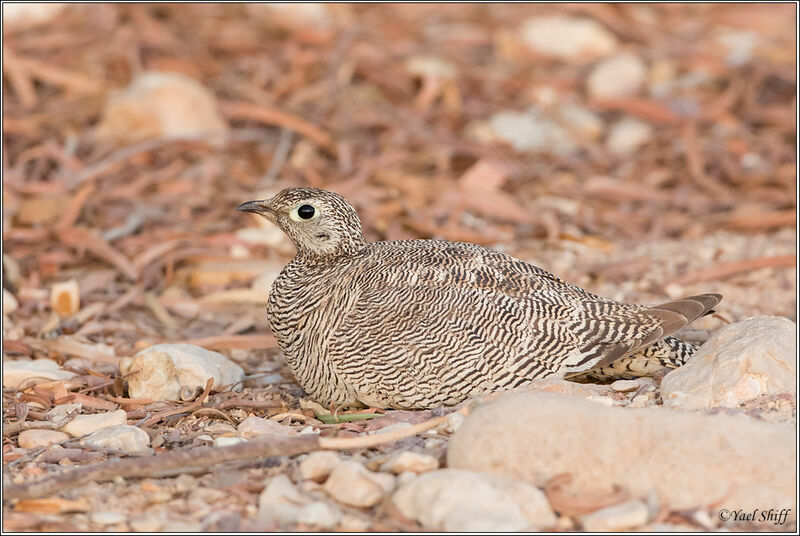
(458,500)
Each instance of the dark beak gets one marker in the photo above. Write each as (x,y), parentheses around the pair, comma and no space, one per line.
(257,207)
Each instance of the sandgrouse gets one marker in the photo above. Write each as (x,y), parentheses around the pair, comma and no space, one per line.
(416,324)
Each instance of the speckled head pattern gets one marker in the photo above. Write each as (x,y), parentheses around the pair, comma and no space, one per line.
(319,223)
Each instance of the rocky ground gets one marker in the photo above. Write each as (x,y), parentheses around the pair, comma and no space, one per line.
(640,151)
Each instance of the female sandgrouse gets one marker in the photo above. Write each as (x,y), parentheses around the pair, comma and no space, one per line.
(418,324)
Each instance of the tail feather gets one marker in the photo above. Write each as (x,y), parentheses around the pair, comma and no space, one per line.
(670,316)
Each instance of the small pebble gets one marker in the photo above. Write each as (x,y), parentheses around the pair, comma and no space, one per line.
(86,424)
(639,401)
(627,515)
(409,461)
(227,441)
(30,439)
(124,438)
(10,303)
(624,386)
(107,518)
(352,484)
(318,465)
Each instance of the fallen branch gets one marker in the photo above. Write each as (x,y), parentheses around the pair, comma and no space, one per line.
(207,457)
(202,457)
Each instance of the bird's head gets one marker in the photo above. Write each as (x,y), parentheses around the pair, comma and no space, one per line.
(319,223)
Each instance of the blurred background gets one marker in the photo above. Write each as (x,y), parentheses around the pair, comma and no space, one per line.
(641,151)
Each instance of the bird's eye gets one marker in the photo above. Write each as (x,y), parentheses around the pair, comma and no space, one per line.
(304,212)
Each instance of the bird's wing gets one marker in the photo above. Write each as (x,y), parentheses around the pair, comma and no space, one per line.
(497,310)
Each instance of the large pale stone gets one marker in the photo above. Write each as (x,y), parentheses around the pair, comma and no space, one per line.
(690,459)
(568,38)
(177,371)
(457,500)
(162,105)
(757,356)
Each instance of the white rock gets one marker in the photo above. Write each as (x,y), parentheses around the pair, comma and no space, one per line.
(227,441)
(86,424)
(31,439)
(162,105)
(582,122)
(415,462)
(531,130)
(106,517)
(756,356)
(619,76)
(352,484)
(121,437)
(258,426)
(10,303)
(628,135)
(457,500)
(319,514)
(170,371)
(26,373)
(318,465)
(624,516)
(569,38)
(690,459)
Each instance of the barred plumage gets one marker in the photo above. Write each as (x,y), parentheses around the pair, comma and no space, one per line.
(423,323)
